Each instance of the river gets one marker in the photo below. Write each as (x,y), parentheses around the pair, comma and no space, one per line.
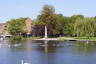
(47,52)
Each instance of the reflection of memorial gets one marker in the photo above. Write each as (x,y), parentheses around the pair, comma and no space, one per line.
(46,51)
(46,46)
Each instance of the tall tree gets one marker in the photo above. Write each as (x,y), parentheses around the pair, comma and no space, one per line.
(50,19)
(72,22)
(64,22)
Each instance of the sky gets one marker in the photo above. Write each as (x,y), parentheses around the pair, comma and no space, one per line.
(12,9)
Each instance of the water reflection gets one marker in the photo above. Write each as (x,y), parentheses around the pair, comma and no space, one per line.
(48,52)
(46,46)
(87,47)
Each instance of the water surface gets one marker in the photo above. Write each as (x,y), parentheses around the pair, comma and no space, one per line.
(48,52)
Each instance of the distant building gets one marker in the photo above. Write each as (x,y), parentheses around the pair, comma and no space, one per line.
(28,23)
(4,31)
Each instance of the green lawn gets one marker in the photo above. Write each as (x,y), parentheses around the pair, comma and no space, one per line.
(76,38)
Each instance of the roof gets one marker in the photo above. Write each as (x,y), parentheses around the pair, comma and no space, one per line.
(3,24)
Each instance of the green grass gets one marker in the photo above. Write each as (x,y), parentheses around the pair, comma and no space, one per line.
(76,38)
(85,38)
(65,38)
(33,38)
(61,38)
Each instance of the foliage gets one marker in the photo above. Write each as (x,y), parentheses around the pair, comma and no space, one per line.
(94,26)
(16,38)
(57,24)
(85,27)
(16,26)
(73,19)
(50,19)
(64,24)
(39,30)
(76,25)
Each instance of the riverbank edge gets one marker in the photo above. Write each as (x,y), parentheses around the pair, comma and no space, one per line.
(77,38)
(68,38)
(63,38)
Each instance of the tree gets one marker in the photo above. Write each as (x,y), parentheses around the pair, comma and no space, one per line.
(85,27)
(72,22)
(64,24)
(95,26)
(38,30)
(16,26)
(50,19)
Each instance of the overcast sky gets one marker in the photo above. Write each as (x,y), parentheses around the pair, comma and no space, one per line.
(10,9)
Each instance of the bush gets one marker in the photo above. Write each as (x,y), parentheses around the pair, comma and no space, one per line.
(16,38)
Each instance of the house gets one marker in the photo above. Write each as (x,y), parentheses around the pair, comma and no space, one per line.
(28,23)
(3,29)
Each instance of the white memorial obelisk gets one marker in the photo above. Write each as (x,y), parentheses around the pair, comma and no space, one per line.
(45,32)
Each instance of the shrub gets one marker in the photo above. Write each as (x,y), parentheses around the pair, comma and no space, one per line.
(16,38)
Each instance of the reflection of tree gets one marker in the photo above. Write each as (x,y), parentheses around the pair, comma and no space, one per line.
(53,46)
(15,45)
(50,46)
(87,47)
(20,45)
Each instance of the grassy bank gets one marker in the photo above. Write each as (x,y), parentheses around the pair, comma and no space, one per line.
(33,38)
(66,38)
(21,38)
(57,38)
(85,38)
(77,38)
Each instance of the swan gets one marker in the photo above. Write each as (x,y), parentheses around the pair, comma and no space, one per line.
(22,62)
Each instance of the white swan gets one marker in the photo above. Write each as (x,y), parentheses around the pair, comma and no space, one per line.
(22,62)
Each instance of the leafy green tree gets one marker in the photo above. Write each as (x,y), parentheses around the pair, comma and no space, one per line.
(16,26)
(72,22)
(50,19)
(95,26)
(64,24)
(85,27)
